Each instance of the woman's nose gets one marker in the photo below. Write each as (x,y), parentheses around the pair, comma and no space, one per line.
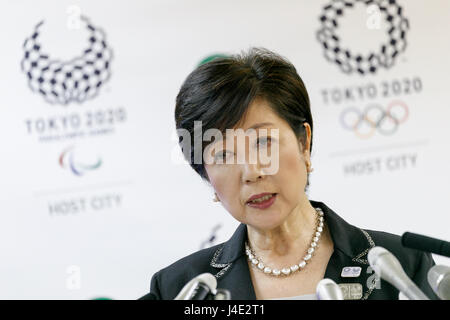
(251,172)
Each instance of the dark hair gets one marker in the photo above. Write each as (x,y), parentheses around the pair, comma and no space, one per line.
(219,92)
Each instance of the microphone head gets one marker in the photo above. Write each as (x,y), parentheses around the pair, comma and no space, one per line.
(222,294)
(209,280)
(327,289)
(427,244)
(385,264)
(189,288)
(439,281)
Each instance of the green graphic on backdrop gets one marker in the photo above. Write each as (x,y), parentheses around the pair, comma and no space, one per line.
(212,57)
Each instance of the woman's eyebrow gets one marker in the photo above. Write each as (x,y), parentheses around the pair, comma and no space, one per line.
(255,126)
(262,124)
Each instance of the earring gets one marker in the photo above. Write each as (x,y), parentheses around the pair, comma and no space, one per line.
(215,199)
(308,167)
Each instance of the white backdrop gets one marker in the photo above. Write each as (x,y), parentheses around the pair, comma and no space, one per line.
(92,203)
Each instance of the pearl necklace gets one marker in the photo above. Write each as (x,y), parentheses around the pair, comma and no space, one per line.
(296,267)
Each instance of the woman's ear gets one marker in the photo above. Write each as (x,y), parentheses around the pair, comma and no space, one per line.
(307,145)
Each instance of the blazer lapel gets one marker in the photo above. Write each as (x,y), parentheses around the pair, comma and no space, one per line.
(233,272)
(351,246)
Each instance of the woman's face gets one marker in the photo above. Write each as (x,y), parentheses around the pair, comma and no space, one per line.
(235,183)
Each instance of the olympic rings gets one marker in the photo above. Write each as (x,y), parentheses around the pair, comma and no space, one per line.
(375,118)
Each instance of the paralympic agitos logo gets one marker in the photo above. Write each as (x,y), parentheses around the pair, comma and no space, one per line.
(76,80)
(68,160)
(347,59)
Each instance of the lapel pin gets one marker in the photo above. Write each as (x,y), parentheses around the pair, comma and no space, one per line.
(351,291)
(351,272)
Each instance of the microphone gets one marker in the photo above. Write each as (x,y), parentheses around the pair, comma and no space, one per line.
(424,243)
(222,294)
(198,288)
(386,265)
(327,289)
(439,280)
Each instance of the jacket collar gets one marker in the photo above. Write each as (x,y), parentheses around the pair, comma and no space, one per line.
(347,238)
(351,246)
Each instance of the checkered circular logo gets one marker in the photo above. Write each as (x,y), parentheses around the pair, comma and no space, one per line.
(346,59)
(62,82)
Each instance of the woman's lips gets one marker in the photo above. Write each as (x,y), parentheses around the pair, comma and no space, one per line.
(260,195)
(263,204)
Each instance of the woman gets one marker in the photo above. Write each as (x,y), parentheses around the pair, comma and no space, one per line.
(285,243)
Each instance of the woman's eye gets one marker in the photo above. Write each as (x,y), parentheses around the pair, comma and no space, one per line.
(221,155)
(264,140)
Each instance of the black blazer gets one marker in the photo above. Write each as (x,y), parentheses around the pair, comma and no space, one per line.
(228,263)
